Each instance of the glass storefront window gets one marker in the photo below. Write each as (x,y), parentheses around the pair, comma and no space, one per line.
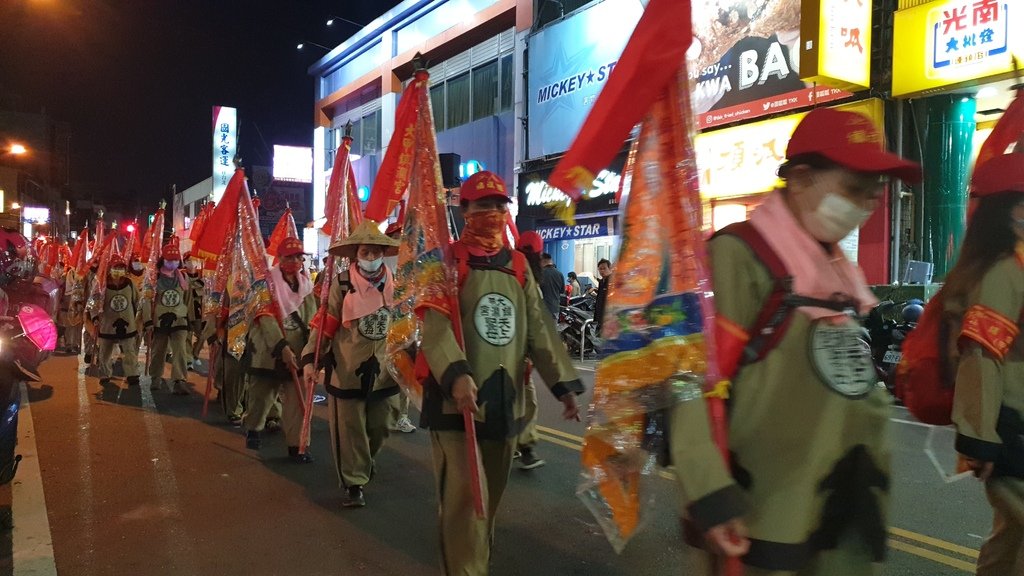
(437,105)
(506,82)
(457,100)
(485,90)
(371,133)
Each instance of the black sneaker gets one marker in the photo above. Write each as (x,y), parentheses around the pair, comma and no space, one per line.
(87,359)
(253,440)
(180,388)
(354,497)
(528,460)
(295,457)
(133,380)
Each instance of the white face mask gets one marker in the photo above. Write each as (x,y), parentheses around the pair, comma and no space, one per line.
(370,266)
(137,266)
(834,218)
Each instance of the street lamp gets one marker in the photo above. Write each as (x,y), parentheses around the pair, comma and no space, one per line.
(15,206)
(302,45)
(18,149)
(332,18)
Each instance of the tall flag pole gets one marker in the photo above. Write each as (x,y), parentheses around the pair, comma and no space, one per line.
(342,215)
(425,277)
(284,229)
(660,320)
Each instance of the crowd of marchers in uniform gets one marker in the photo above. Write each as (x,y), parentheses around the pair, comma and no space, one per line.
(806,486)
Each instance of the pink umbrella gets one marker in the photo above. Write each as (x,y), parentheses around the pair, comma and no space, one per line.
(38,326)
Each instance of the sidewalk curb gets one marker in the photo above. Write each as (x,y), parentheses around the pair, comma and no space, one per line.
(31,540)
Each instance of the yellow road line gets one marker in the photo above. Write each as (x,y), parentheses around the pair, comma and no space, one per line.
(964,550)
(566,435)
(559,441)
(933,556)
(576,443)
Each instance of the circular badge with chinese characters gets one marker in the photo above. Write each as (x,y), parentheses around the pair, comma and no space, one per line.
(375,326)
(495,319)
(841,357)
(119,303)
(170,298)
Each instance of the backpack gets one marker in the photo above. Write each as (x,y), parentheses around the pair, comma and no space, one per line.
(925,376)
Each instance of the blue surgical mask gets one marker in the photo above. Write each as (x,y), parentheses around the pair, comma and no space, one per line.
(371,266)
(171,264)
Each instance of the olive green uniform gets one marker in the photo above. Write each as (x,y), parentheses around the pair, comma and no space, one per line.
(195,335)
(72,306)
(229,374)
(268,376)
(170,316)
(988,411)
(362,395)
(503,324)
(809,465)
(117,326)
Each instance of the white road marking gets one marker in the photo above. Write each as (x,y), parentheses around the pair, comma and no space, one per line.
(180,544)
(31,540)
(85,495)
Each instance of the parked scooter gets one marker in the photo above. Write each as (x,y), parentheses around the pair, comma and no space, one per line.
(888,329)
(576,326)
(27,335)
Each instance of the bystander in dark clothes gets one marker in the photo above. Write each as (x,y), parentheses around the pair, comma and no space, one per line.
(552,285)
(604,268)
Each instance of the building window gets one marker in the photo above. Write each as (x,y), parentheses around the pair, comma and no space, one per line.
(507,82)
(437,105)
(458,100)
(371,133)
(485,90)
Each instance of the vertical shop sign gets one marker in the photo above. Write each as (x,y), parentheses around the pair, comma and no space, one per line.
(225,146)
(836,47)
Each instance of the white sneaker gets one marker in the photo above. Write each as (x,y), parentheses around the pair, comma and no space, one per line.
(405,425)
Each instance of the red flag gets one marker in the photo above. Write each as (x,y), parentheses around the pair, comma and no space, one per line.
(221,221)
(396,168)
(425,274)
(78,255)
(285,229)
(199,224)
(1007,131)
(150,255)
(341,194)
(649,62)
(101,228)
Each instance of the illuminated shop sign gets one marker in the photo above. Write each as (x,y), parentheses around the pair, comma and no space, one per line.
(950,43)
(225,146)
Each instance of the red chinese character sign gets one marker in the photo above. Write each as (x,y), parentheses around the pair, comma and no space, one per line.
(968,32)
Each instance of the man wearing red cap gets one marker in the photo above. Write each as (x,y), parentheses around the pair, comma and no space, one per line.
(986,290)
(275,352)
(116,323)
(504,321)
(807,417)
(168,318)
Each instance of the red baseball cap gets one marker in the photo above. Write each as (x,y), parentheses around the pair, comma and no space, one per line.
(483,185)
(171,251)
(850,140)
(291,247)
(1003,173)
(530,240)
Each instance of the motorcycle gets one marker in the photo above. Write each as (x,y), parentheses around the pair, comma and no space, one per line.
(888,330)
(28,334)
(576,326)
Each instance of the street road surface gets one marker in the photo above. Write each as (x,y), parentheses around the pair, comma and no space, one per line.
(135,482)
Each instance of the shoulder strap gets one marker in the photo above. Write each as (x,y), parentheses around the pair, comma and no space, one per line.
(462,264)
(776,312)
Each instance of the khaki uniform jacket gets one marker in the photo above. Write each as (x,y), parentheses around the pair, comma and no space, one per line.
(355,355)
(72,302)
(117,321)
(801,452)
(266,341)
(503,324)
(988,405)
(172,309)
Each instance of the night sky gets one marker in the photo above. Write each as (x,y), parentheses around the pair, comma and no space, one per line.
(136,79)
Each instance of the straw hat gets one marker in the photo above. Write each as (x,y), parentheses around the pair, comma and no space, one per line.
(368,232)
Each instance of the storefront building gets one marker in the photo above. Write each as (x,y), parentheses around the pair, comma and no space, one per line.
(469,48)
(955,68)
(778,62)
